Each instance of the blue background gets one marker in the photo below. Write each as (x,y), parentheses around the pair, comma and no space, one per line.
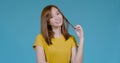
(20,23)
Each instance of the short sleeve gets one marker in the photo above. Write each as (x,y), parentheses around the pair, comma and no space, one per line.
(38,41)
(73,41)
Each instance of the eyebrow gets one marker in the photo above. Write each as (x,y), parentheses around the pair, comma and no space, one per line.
(57,12)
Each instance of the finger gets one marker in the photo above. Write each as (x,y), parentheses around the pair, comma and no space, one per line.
(78,26)
(78,29)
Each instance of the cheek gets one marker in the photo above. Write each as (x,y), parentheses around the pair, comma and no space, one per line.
(61,17)
(52,21)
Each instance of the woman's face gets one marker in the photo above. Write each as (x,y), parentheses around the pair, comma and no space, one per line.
(56,19)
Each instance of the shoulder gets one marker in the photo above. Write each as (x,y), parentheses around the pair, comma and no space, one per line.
(72,37)
(73,40)
(39,36)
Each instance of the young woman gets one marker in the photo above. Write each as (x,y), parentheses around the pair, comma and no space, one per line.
(54,44)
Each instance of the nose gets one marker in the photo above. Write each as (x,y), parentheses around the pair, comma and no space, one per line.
(56,18)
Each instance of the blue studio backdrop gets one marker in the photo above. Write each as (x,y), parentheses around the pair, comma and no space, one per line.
(20,23)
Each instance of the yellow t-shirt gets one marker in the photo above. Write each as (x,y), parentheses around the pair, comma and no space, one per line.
(59,51)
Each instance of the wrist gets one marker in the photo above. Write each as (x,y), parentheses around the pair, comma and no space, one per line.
(81,39)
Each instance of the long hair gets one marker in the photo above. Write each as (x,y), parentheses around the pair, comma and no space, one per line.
(46,28)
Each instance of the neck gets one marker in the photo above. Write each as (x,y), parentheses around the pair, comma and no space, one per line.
(57,32)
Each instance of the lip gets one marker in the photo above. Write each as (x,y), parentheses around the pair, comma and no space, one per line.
(59,21)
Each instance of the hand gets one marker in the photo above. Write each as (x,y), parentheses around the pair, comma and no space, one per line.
(79,32)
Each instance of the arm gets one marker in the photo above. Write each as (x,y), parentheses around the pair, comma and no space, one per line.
(79,54)
(73,55)
(40,56)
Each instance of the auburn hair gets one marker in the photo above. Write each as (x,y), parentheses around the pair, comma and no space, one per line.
(46,29)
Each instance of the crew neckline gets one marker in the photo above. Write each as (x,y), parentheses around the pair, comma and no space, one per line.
(58,37)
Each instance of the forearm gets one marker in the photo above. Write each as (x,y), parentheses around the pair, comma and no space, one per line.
(79,55)
(40,56)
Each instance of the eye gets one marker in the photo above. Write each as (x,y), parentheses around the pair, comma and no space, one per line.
(58,13)
(51,17)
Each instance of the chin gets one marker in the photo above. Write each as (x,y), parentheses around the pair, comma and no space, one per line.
(59,25)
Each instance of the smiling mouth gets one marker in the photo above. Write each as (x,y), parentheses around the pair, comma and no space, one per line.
(58,22)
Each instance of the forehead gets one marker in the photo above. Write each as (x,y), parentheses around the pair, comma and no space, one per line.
(54,10)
